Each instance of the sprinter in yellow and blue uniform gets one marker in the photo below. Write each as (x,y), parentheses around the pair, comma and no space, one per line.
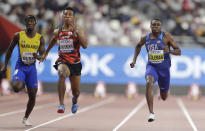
(158,45)
(30,43)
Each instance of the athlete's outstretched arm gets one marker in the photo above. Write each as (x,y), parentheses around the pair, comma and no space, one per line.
(176,50)
(41,49)
(81,37)
(14,42)
(137,50)
(52,43)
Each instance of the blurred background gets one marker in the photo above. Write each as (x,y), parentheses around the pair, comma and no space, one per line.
(113,28)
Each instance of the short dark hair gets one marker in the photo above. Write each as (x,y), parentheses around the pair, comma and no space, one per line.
(157,19)
(30,17)
(69,8)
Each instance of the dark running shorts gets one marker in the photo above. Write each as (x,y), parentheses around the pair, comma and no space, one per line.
(75,69)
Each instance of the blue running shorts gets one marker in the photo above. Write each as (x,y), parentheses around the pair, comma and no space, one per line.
(27,74)
(162,75)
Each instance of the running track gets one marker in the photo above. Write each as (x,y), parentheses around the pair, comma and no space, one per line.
(113,113)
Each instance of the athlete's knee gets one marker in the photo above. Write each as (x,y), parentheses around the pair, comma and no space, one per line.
(32,97)
(150,81)
(32,93)
(164,96)
(16,90)
(62,74)
(76,92)
(15,87)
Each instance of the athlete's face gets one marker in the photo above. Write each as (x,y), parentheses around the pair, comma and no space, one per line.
(30,24)
(156,26)
(68,16)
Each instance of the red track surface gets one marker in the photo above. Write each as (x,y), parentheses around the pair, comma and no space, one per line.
(115,112)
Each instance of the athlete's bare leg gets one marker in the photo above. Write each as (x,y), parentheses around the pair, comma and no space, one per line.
(31,101)
(75,86)
(17,86)
(164,95)
(149,92)
(63,72)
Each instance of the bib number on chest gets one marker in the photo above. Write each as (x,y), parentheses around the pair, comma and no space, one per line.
(156,56)
(28,58)
(66,46)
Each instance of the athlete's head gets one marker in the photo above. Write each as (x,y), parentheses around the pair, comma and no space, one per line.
(30,22)
(68,15)
(156,25)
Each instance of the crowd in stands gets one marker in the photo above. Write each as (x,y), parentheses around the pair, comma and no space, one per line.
(115,22)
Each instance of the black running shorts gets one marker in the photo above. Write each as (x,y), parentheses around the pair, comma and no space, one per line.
(75,69)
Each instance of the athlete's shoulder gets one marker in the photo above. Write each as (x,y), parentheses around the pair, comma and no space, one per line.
(56,31)
(168,35)
(142,41)
(143,38)
(38,35)
(16,36)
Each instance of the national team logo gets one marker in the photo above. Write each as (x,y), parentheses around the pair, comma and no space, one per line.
(70,33)
(147,42)
(158,41)
(65,36)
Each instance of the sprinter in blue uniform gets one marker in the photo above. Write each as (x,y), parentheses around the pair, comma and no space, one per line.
(159,46)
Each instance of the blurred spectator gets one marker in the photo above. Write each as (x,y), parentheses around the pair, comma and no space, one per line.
(115,22)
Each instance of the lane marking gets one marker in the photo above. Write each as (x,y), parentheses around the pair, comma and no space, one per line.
(136,109)
(12,103)
(87,108)
(20,101)
(186,113)
(23,110)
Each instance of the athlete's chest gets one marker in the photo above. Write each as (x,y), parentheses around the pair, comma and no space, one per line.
(154,44)
(66,38)
(66,41)
(26,43)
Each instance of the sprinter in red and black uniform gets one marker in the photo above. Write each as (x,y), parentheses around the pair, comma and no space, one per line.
(69,39)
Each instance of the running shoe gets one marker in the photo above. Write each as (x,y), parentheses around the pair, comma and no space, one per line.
(61,109)
(26,122)
(74,107)
(151,117)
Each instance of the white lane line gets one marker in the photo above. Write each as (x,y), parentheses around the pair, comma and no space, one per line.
(8,103)
(137,108)
(23,110)
(183,108)
(18,100)
(79,111)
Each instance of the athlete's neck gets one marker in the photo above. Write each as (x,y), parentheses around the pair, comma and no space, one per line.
(30,32)
(67,27)
(156,34)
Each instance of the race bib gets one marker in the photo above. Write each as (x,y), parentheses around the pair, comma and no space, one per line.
(66,46)
(28,58)
(156,56)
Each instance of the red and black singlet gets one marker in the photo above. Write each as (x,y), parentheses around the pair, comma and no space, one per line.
(69,47)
